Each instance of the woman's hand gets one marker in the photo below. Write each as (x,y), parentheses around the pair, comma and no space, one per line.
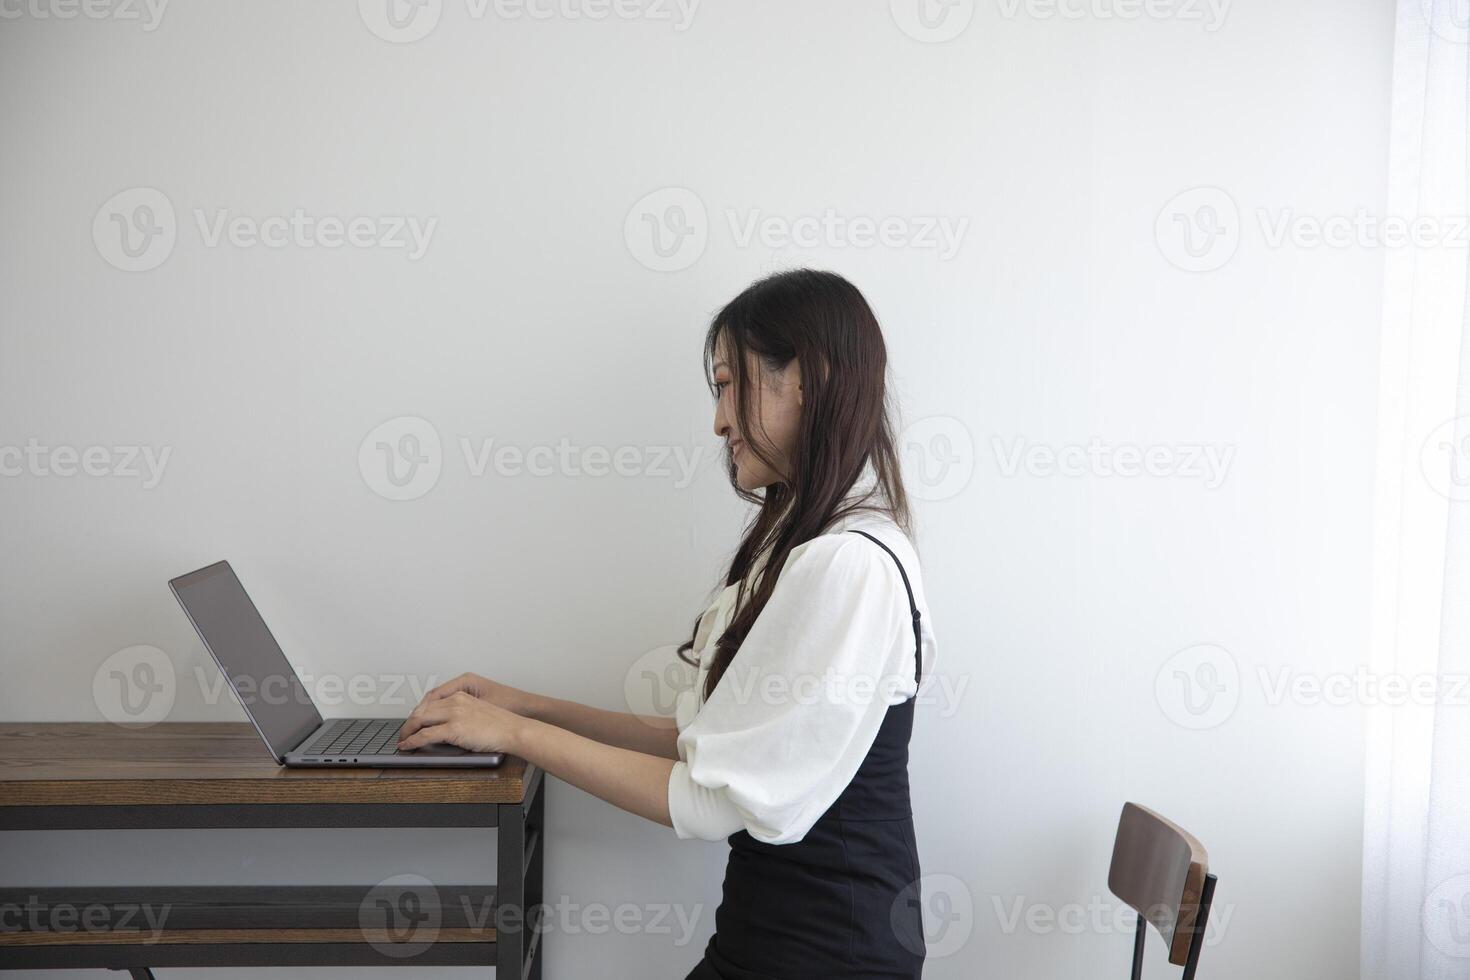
(462,719)
(484,689)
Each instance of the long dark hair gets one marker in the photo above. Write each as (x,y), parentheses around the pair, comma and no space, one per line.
(821,320)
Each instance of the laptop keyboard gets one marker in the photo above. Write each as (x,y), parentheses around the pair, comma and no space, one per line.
(346,738)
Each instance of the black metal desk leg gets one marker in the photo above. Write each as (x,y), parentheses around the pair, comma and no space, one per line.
(510,893)
(518,894)
(534,895)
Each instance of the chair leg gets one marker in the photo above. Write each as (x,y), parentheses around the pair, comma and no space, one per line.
(1201,920)
(1139,935)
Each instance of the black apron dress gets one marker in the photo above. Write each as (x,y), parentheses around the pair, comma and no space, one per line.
(843,902)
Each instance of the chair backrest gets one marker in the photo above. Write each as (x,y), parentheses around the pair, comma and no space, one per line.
(1159,869)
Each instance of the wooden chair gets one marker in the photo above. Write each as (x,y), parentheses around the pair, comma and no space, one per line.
(1162,872)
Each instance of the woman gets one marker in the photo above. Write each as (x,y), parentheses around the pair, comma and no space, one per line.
(793,743)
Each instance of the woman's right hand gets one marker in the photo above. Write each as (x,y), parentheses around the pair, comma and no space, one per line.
(483,688)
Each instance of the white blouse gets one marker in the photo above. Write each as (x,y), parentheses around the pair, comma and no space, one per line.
(799,706)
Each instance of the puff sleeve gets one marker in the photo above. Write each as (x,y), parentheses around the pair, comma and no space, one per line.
(793,717)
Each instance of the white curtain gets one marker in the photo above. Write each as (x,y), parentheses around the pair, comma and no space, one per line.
(1416,841)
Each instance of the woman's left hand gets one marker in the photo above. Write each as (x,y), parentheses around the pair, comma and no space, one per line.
(464,720)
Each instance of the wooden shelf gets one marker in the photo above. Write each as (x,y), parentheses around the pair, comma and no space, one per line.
(191,925)
(194,937)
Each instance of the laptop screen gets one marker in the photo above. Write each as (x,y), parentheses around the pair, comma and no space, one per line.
(242,645)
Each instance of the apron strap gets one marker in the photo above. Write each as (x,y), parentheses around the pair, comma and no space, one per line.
(913,606)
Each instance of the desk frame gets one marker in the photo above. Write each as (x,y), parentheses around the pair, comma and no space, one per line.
(514,951)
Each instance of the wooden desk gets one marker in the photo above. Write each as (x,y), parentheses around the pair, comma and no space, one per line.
(198,775)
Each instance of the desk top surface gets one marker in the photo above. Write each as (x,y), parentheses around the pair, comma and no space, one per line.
(98,764)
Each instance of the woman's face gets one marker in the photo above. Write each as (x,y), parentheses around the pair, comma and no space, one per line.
(775,414)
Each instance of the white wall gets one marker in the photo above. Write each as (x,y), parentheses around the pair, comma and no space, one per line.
(530,319)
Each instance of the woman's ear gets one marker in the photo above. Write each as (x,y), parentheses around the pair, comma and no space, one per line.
(800,389)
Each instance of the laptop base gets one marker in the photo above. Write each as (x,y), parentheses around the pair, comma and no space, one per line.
(372,743)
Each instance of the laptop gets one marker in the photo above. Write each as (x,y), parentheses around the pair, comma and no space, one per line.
(272,694)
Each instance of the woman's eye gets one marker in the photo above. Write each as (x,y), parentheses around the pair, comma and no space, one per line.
(720,387)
